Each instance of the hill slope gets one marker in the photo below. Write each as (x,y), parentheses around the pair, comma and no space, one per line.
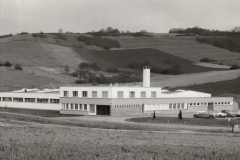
(121,58)
(181,46)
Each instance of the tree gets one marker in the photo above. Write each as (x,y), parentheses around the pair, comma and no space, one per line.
(66,69)
(180,115)
(60,31)
(236,29)
(109,30)
(143,31)
(102,30)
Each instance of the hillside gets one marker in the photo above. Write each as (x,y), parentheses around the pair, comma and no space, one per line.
(44,58)
(122,58)
(181,46)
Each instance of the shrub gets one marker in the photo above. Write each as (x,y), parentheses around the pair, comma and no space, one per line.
(18,66)
(105,43)
(61,37)
(112,70)
(7,64)
(205,60)
(41,35)
(233,67)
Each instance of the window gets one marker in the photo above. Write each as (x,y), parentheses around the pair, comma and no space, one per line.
(75,93)
(65,93)
(67,106)
(105,94)
(143,94)
(94,94)
(174,106)
(72,106)
(84,93)
(76,106)
(42,100)
(205,103)
(153,94)
(54,100)
(85,106)
(0,98)
(131,94)
(228,102)
(170,106)
(92,109)
(8,99)
(63,105)
(80,106)
(17,99)
(198,104)
(178,105)
(120,94)
(29,99)
(182,105)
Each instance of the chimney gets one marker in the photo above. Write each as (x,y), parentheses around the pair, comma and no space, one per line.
(146,76)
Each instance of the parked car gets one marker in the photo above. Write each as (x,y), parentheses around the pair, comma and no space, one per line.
(229,113)
(219,114)
(204,114)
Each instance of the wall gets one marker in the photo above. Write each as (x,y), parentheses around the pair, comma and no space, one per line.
(73,112)
(44,106)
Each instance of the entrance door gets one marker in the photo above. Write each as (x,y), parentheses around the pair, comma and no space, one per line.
(210,106)
(103,110)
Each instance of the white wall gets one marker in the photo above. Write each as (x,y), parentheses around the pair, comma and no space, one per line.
(112,91)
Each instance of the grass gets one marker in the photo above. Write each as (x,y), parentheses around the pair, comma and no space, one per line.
(122,58)
(54,142)
(35,141)
(216,88)
(216,122)
(184,47)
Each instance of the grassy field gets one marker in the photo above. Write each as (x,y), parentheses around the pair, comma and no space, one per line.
(180,46)
(121,58)
(22,139)
(216,122)
(217,88)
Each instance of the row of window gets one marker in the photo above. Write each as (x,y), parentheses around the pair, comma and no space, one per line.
(215,103)
(128,106)
(176,106)
(74,106)
(120,94)
(28,100)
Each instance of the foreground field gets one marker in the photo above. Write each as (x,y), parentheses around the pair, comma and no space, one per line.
(34,141)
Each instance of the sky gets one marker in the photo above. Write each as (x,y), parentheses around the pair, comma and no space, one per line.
(157,16)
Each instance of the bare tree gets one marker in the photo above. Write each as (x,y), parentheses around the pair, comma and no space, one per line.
(60,31)
(66,69)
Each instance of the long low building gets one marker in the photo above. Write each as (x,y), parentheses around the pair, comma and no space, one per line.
(115,100)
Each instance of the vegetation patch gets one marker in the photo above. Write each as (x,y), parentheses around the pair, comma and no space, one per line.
(104,43)
(7,35)
(136,58)
(6,64)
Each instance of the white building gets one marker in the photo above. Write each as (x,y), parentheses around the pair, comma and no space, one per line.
(116,100)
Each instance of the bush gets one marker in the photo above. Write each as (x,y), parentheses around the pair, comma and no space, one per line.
(7,64)
(233,67)
(112,70)
(61,37)
(41,35)
(105,43)
(18,66)
(205,60)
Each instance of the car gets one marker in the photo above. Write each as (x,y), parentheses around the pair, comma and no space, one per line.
(204,114)
(229,113)
(219,114)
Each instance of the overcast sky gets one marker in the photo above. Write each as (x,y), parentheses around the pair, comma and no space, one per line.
(134,15)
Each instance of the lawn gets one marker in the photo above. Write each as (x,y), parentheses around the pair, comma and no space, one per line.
(122,58)
(215,122)
(33,141)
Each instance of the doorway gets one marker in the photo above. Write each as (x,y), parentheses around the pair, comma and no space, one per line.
(103,110)
(210,106)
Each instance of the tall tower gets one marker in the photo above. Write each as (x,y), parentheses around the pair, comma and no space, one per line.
(146,76)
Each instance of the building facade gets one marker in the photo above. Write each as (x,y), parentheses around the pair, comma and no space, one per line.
(115,100)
